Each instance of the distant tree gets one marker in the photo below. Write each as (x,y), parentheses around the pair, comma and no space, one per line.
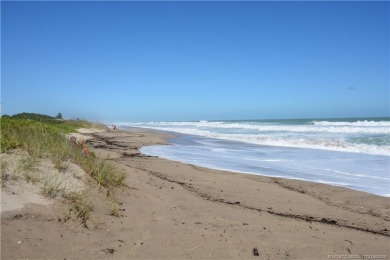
(59,116)
(33,116)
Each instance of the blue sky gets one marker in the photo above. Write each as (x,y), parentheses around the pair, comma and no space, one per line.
(161,61)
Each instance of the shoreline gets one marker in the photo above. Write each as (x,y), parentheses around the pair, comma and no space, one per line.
(175,210)
(180,142)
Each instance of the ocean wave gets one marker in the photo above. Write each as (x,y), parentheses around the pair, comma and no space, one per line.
(302,141)
(319,127)
(364,123)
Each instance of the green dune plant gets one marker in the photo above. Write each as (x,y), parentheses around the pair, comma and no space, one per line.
(4,175)
(52,187)
(44,137)
(81,209)
(28,167)
(114,209)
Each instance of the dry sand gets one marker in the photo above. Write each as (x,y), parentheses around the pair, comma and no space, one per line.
(172,210)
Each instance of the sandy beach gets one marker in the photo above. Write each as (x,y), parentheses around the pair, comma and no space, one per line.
(171,210)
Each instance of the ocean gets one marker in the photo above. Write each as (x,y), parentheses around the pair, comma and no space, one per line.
(350,152)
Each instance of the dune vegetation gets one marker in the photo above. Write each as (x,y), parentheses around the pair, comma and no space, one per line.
(44,137)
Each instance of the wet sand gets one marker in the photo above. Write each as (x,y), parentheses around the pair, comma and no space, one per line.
(171,210)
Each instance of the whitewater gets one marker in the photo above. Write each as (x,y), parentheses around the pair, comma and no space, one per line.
(353,153)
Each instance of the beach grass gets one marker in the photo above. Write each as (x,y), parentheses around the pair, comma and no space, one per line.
(28,166)
(114,209)
(52,187)
(44,137)
(81,208)
(4,176)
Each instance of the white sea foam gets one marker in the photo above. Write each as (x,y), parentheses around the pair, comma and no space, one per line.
(372,137)
(382,127)
(364,123)
(302,142)
(358,171)
(365,167)
(332,183)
